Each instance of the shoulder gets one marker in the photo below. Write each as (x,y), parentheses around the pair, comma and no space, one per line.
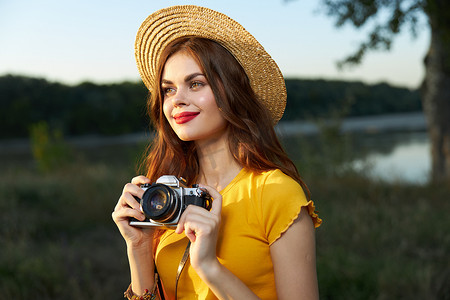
(278,194)
(275,181)
(275,192)
(277,176)
(274,177)
(279,201)
(265,187)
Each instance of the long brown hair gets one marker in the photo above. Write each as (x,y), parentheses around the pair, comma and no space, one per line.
(252,139)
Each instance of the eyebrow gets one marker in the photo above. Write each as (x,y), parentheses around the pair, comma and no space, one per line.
(186,79)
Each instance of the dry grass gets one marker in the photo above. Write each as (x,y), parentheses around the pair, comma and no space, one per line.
(378,240)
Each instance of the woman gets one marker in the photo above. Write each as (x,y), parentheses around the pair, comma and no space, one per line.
(215,96)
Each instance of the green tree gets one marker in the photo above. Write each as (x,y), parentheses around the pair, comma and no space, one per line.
(436,84)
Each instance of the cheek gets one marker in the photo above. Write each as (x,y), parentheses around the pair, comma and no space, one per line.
(167,109)
(208,103)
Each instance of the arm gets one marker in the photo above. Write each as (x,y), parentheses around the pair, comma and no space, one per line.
(294,260)
(293,255)
(201,227)
(142,268)
(224,284)
(139,241)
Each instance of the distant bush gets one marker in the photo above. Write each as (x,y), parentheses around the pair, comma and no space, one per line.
(112,109)
(321,98)
(48,147)
(87,108)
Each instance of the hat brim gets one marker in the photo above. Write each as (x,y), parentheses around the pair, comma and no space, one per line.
(165,25)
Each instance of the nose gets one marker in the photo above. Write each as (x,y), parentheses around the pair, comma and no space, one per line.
(180,98)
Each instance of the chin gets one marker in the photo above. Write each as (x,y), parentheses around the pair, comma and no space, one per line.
(192,135)
(185,137)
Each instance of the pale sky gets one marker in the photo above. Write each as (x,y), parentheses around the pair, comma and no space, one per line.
(71,41)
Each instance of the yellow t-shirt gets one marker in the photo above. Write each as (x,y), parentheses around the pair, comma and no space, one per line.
(256,210)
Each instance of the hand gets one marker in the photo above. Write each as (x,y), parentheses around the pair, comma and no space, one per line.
(127,207)
(202,227)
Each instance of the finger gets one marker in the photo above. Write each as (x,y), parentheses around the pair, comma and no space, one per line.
(194,211)
(191,232)
(216,207)
(126,213)
(194,227)
(133,190)
(127,199)
(180,225)
(130,201)
(195,217)
(141,179)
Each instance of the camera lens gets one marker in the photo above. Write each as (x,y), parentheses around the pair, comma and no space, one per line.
(160,203)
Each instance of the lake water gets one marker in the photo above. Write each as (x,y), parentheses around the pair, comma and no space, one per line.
(391,155)
(398,157)
(391,147)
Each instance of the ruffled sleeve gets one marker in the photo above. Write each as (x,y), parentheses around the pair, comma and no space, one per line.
(282,199)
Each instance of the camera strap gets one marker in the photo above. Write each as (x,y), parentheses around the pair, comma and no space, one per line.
(181,266)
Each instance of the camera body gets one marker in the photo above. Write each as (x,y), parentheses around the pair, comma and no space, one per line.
(165,200)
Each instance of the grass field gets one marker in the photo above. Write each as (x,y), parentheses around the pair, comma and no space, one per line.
(378,241)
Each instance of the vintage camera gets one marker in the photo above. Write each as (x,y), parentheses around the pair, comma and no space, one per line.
(163,202)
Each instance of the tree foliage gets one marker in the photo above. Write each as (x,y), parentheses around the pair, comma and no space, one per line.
(81,109)
(326,98)
(385,19)
(112,109)
(120,108)
(435,87)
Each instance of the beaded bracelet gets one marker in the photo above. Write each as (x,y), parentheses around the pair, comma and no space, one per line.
(148,295)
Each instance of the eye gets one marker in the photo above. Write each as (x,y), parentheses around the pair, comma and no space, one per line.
(167,91)
(196,84)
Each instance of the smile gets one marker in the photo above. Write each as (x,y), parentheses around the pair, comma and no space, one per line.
(185,117)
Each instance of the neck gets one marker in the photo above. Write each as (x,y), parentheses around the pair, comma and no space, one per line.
(217,165)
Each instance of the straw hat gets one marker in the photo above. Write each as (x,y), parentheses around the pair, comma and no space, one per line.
(168,24)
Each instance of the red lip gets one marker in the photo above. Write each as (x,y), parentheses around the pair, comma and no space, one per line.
(185,116)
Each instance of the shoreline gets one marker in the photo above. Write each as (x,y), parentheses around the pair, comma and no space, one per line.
(369,125)
(414,121)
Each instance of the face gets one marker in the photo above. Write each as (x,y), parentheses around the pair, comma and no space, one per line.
(189,103)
